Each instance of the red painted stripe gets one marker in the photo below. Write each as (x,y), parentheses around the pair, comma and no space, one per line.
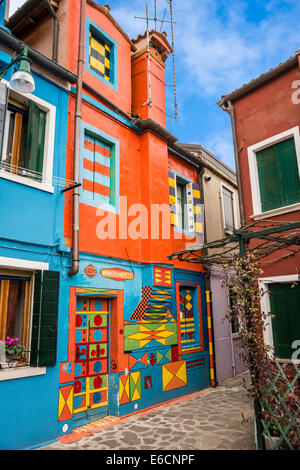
(95,188)
(95,166)
(93,147)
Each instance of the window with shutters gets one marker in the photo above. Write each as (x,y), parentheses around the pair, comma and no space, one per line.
(27,131)
(274,171)
(99,169)
(101,54)
(284,306)
(228,207)
(186,210)
(28,318)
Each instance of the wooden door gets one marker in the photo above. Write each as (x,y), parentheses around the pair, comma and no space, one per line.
(91,358)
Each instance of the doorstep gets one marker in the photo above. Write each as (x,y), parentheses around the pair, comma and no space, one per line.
(108,421)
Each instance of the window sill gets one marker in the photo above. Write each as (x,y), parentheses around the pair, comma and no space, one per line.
(236,335)
(287,361)
(21,372)
(274,212)
(27,182)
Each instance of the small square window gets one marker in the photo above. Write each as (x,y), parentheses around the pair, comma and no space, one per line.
(101,56)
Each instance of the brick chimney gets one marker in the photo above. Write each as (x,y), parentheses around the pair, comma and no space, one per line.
(148,94)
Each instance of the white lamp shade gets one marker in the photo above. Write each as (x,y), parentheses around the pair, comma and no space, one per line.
(22,82)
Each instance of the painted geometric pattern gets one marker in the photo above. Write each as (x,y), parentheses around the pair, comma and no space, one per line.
(187,320)
(130,387)
(164,356)
(124,395)
(138,360)
(90,291)
(135,386)
(99,56)
(190,207)
(96,168)
(65,403)
(141,308)
(91,354)
(162,276)
(198,214)
(154,304)
(172,198)
(174,375)
(137,336)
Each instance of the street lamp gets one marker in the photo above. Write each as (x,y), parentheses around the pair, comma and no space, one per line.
(22,79)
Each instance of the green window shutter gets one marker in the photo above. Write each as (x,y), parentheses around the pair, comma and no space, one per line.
(269,179)
(278,175)
(3,108)
(287,157)
(35,139)
(284,302)
(44,321)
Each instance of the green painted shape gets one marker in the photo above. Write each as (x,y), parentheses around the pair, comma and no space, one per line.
(92,320)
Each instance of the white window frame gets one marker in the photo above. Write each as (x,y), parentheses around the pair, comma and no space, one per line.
(254,181)
(184,181)
(31,266)
(266,307)
(46,183)
(235,222)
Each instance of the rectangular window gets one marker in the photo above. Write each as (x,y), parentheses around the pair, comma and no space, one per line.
(99,172)
(228,209)
(180,205)
(14,310)
(28,315)
(189,317)
(26,144)
(278,175)
(101,55)
(186,210)
(284,304)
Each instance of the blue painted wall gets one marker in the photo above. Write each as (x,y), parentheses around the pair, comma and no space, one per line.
(32,228)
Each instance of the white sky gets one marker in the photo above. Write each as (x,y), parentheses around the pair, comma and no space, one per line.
(14,4)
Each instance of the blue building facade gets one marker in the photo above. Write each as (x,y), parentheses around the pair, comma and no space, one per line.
(32,252)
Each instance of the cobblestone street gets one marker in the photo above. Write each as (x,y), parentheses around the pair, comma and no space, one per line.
(215,418)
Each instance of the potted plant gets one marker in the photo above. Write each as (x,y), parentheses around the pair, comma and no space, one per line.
(13,351)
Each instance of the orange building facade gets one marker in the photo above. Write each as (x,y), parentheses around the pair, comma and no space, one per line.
(135,323)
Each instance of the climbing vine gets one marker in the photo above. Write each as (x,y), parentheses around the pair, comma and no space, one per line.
(272,384)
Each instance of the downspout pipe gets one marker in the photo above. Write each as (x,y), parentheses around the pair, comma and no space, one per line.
(55,29)
(75,230)
(228,107)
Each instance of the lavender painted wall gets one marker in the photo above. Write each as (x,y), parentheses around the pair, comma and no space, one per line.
(228,362)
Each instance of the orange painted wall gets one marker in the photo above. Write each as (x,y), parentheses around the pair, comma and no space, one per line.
(144,158)
(121,96)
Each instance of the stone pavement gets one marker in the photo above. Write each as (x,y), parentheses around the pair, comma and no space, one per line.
(215,418)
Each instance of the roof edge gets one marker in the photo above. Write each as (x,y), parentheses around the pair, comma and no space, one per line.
(256,82)
(105,11)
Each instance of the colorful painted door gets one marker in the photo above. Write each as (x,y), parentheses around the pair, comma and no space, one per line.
(91,358)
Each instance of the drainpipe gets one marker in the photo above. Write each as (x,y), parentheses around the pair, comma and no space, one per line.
(75,249)
(55,30)
(230,110)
